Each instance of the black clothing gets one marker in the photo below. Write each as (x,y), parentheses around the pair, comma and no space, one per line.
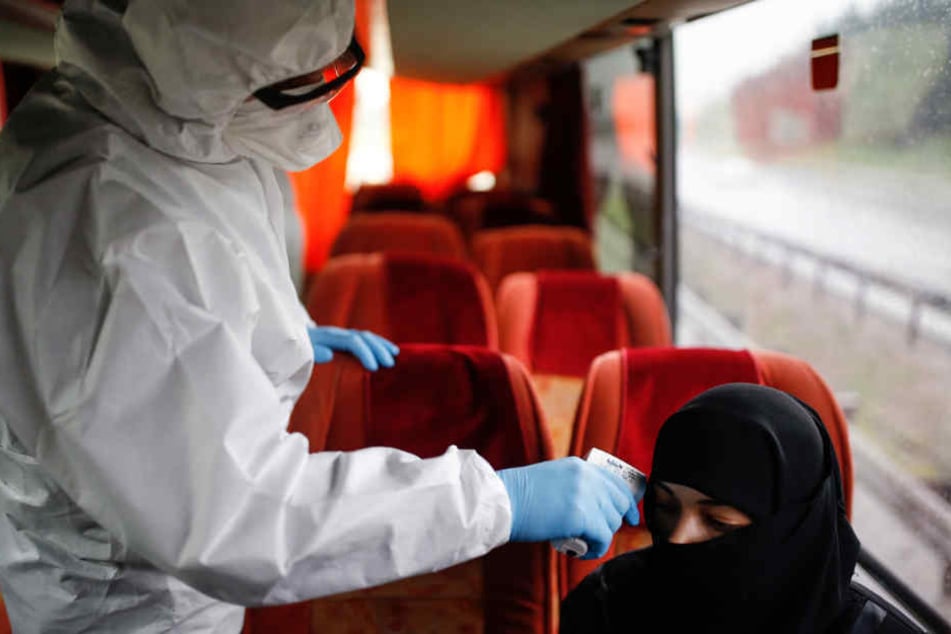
(610,601)
(767,454)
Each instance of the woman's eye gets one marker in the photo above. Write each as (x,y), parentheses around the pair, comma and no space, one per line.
(720,525)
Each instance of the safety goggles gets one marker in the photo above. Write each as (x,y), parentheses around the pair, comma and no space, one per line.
(319,86)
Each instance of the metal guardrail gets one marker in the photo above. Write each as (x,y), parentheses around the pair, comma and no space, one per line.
(922,510)
(918,296)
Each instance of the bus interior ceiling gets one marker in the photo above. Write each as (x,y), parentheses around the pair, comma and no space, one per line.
(598,139)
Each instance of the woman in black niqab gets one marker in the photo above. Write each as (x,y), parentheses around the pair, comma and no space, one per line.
(766,454)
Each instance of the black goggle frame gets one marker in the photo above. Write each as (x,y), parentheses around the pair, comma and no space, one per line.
(278,100)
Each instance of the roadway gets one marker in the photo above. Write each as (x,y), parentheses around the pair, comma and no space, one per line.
(892,222)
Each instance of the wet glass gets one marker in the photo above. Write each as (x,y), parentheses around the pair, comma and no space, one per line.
(819,223)
(620,94)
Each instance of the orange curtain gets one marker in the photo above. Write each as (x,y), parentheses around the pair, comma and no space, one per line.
(322,200)
(444,133)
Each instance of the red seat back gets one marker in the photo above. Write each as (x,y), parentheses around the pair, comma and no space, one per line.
(402,233)
(630,393)
(405,298)
(434,397)
(499,252)
(556,323)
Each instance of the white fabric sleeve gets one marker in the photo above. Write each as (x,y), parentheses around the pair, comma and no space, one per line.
(173,438)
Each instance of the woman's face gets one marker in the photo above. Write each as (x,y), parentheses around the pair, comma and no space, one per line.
(687,516)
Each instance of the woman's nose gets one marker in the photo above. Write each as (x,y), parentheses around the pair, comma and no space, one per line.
(688,530)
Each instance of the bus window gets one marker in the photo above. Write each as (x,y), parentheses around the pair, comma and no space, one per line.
(818,223)
(620,95)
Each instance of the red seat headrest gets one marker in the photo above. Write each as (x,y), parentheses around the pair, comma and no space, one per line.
(577,317)
(658,381)
(400,232)
(429,300)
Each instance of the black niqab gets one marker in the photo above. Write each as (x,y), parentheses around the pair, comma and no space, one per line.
(767,454)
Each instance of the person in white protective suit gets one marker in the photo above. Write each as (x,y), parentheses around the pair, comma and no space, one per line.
(152,345)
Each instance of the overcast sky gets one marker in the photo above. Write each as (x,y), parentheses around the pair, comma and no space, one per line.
(714,53)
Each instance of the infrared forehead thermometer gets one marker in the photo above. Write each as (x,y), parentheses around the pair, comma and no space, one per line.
(634,479)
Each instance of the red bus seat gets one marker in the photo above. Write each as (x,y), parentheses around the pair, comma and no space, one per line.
(630,393)
(499,252)
(405,298)
(556,323)
(388,197)
(5,627)
(434,397)
(473,211)
(400,232)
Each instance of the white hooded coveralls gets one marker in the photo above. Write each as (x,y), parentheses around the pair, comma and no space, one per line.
(152,346)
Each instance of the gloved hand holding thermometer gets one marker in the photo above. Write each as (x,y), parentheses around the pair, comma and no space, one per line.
(571,501)
(371,350)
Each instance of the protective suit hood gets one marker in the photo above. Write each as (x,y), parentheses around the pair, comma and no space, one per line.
(174,72)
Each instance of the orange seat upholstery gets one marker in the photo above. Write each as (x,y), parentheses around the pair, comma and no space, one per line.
(434,397)
(402,233)
(405,298)
(388,197)
(500,252)
(630,393)
(556,323)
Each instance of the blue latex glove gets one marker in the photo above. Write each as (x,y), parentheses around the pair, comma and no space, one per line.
(568,498)
(371,350)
